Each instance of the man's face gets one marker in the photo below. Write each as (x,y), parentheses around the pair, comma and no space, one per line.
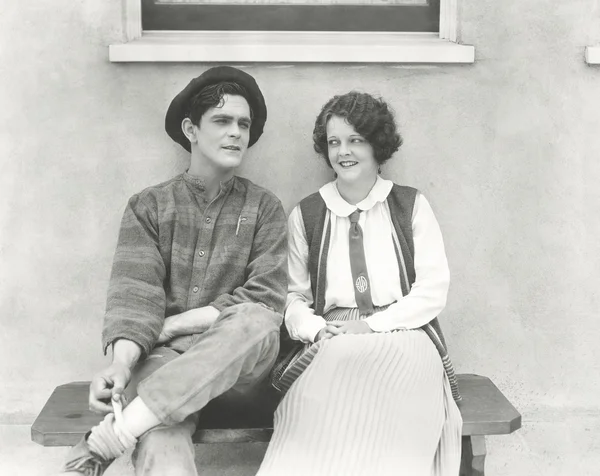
(223,135)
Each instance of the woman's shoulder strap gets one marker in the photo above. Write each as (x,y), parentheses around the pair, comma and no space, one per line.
(402,203)
(313,210)
(404,195)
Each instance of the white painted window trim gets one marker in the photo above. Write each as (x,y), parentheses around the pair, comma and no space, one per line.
(592,54)
(291,46)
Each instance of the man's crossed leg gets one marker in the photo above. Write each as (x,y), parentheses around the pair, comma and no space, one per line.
(174,384)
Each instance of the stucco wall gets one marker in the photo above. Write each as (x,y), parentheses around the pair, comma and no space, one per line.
(506,150)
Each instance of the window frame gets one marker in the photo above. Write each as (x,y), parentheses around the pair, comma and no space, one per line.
(235,46)
(290,17)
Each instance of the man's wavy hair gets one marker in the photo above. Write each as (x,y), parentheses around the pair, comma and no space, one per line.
(371,117)
(212,96)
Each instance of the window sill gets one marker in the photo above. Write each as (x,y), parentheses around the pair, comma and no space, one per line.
(592,54)
(291,47)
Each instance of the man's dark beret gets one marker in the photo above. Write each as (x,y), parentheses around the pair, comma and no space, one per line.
(179,107)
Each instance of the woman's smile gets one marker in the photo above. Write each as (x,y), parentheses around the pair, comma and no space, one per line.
(350,154)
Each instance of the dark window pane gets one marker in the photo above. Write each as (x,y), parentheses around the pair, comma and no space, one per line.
(409,18)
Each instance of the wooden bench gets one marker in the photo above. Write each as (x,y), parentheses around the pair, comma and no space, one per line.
(485,410)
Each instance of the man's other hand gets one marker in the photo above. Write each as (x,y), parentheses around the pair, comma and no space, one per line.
(194,321)
(106,385)
(169,330)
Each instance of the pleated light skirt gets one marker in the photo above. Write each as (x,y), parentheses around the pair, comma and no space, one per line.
(368,404)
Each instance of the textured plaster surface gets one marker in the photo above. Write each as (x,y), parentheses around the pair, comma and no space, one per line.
(506,150)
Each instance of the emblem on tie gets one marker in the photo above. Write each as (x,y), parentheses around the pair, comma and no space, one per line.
(358,266)
(361,284)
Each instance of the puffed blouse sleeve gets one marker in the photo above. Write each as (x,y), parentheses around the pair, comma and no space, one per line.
(301,322)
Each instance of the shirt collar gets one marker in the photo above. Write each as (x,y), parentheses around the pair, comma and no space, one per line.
(334,201)
(198,184)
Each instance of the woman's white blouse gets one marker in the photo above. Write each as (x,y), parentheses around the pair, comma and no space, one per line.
(427,296)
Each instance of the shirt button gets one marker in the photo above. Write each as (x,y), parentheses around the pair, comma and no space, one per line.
(200,253)
(208,220)
(195,289)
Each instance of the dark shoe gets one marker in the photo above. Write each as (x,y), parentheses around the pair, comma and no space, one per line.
(81,460)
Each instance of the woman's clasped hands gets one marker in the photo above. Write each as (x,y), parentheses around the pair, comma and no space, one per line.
(335,328)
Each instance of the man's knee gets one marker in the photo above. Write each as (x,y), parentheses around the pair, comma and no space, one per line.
(253,318)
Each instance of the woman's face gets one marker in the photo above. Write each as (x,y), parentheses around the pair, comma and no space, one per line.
(350,155)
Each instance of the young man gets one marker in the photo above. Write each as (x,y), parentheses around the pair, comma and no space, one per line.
(197,288)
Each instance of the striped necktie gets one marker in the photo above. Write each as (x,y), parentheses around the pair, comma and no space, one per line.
(358,266)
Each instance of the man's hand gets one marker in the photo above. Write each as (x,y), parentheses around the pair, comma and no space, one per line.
(327,333)
(107,385)
(194,321)
(168,331)
(352,327)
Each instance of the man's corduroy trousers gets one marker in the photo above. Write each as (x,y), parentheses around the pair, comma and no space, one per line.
(177,380)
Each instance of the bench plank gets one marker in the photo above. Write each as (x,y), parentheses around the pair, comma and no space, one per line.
(485,409)
(65,418)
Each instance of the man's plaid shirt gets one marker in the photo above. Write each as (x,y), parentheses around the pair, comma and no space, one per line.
(177,252)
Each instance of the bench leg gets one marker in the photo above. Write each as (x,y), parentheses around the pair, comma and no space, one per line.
(473,456)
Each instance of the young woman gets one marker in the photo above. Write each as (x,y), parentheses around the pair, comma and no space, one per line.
(372,391)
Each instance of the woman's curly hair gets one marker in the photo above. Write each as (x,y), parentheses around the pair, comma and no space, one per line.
(371,117)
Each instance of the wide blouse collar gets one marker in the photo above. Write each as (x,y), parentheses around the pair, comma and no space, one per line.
(334,201)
